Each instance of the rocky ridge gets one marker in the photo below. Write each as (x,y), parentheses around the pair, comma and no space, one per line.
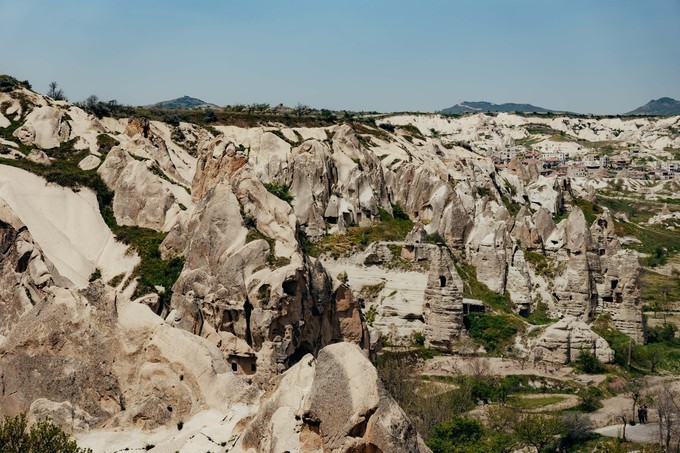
(254,318)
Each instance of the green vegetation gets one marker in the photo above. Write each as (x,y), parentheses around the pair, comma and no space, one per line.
(656,240)
(661,353)
(590,210)
(590,398)
(42,437)
(389,228)
(474,289)
(494,332)
(540,315)
(542,265)
(527,142)
(534,403)
(370,315)
(483,191)
(588,363)
(9,83)
(97,274)
(105,142)
(658,290)
(280,190)
(152,270)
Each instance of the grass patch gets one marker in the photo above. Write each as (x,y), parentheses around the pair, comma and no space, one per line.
(105,143)
(533,403)
(389,228)
(494,332)
(590,209)
(474,289)
(540,315)
(658,290)
(542,265)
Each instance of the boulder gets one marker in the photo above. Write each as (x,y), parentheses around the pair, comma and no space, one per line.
(562,342)
(362,416)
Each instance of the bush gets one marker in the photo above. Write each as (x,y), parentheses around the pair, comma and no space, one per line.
(493,331)
(590,399)
(280,190)
(399,213)
(662,333)
(588,363)
(43,437)
(457,434)
(418,338)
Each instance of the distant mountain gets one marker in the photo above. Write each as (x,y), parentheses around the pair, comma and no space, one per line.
(662,106)
(482,106)
(185,102)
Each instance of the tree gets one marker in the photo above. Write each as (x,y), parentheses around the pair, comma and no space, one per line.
(42,437)
(653,357)
(301,109)
(55,92)
(633,388)
(667,402)
(209,116)
(588,362)
(538,431)
(576,429)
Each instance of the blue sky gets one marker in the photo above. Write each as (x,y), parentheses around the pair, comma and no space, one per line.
(600,56)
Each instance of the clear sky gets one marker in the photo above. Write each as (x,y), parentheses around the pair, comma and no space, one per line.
(599,56)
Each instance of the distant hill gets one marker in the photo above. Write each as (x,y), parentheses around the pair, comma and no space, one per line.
(662,106)
(185,102)
(482,106)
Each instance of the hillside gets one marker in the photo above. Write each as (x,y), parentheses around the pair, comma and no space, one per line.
(178,286)
(662,107)
(483,107)
(185,102)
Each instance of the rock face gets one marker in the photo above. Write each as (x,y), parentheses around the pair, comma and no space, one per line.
(25,272)
(443,303)
(140,198)
(44,127)
(563,341)
(114,361)
(362,416)
(244,273)
(259,336)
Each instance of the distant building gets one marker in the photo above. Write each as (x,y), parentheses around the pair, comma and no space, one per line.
(577,171)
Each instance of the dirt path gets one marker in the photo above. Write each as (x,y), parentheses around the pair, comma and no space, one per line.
(568,402)
(454,365)
(645,434)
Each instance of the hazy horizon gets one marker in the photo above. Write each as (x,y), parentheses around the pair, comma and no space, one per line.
(604,57)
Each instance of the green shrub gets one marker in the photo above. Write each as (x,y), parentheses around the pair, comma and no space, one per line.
(664,332)
(282,191)
(43,437)
(456,435)
(474,289)
(370,315)
(588,363)
(97,274)
(418,338)
(540,315)
(494,332)
(398,212)
(590,399)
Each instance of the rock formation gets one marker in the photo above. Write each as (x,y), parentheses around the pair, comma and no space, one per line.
(562,342)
